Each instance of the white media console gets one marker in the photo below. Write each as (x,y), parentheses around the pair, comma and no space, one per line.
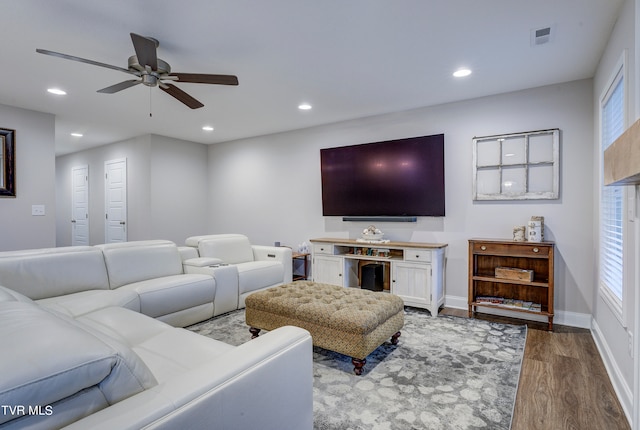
(412,270)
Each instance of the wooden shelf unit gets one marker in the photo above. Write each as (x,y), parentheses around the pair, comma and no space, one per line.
(487,254)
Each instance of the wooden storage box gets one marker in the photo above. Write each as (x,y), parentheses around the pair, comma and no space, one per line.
(515,274)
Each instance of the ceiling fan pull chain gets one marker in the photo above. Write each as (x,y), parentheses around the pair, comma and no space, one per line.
(150,114)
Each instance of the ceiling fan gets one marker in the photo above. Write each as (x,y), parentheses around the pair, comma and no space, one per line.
(152,71)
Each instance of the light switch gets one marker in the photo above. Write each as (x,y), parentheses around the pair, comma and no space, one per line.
(37,210)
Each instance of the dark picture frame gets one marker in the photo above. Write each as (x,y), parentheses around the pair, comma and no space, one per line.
(7,163)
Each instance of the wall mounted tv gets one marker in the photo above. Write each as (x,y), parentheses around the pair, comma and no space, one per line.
(394,178)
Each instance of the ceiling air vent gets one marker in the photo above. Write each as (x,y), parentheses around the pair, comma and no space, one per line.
(541,36)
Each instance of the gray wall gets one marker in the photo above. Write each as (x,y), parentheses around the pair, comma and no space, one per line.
(35,170)
(167,185)
(269,187)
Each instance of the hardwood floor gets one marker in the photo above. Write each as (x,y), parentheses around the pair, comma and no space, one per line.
(563,382)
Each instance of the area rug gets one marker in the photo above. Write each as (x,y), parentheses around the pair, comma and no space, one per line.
(445,373)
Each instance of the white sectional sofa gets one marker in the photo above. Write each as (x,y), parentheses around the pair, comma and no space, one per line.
(88,341)
(255,267)
(145,276)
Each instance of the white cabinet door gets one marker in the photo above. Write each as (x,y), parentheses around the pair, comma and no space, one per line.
(412,282)
(327,269)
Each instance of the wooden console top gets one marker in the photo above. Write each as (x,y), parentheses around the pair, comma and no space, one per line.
(385,244)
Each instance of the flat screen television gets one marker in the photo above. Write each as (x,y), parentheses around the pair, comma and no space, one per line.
(394,178)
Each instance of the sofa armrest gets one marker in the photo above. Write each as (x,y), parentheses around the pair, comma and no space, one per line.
(226,276)
(193,265)
(263,252)
(265,383)
(275,253)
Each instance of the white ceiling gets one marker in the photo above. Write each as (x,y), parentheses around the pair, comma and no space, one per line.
(347,58)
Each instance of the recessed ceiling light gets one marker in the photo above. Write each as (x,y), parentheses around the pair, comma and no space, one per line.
(304,106)
(76,134)
(207,128)
(57,91)
(461,73)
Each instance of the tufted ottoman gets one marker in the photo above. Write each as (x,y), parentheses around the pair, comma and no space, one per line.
(350,321)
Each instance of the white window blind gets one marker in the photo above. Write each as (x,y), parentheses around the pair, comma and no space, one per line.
(611,197)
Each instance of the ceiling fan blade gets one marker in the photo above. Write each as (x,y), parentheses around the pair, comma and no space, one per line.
(201,78)
(181,96)
(84,60)
(145,51)
(119,87)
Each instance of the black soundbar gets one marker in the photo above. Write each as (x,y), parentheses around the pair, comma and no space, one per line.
(381,218)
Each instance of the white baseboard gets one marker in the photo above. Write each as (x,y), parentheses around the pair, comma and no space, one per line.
(622,389)
(572,319)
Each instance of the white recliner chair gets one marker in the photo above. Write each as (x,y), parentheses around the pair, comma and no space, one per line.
(257,267)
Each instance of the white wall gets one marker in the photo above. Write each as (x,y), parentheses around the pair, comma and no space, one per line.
(609,332)
(268,187)
(35,168)
(167,185)
(136,151)
(179,188)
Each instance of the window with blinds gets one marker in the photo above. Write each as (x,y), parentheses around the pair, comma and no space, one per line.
(611,197)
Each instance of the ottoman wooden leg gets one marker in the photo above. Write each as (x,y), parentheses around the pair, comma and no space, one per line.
(358,365)
(394,338)
(255,332)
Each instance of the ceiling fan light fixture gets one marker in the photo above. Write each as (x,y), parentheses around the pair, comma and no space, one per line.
(57,91)
(149,80)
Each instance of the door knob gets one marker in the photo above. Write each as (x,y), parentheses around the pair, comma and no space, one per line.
(121,222)
(73,220)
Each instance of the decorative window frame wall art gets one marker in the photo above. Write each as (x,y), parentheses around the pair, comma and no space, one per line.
(517,166)
(7,162)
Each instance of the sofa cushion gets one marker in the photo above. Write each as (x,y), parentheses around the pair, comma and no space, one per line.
(48,357)
(51,272)
(7,295)
(166,350)
(230,248)
(259,274)
(130,262)
(84,302)
(169,294)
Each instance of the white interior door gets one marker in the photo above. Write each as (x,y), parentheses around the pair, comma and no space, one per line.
(80,205)
(115,192)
